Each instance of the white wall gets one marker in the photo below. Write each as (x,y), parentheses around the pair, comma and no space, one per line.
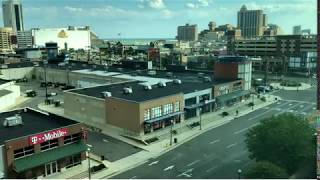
(77,39)
(16,73)
(9,100)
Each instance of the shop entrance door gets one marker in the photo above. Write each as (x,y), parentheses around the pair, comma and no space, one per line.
(51,168)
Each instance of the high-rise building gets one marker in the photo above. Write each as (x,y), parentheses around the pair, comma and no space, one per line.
(12,15)
(251,22)
(24,39)
(5,39)
(265,20)
(212,26)
(306,31)
(296,30)
(188,33)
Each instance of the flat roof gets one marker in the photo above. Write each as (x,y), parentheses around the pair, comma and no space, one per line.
(33,122)
(4,92)
(139,94)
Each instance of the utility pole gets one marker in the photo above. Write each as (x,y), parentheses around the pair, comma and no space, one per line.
(45,62)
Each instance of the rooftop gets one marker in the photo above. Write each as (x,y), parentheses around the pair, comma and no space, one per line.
(140,94)
(2,81)
(33,122)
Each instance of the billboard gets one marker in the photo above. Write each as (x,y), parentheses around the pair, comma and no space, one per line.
(66,39)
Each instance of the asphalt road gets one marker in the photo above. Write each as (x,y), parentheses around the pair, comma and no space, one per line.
(220,152)
(34,101)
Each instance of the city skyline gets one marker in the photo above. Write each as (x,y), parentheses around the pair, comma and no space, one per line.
(160,18)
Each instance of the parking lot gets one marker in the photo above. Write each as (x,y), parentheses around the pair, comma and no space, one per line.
(111,148)
(55,93)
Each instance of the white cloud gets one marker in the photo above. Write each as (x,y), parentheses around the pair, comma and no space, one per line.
(167,14)
(156,4)
(73,9)
(191,5)
(203,3)
(198,4)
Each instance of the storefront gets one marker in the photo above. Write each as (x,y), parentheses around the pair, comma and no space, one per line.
(162,122)
(232,98)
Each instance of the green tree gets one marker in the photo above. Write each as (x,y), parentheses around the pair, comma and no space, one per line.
(266,170)
(285,140)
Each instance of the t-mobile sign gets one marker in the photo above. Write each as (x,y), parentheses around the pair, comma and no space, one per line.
(40,138)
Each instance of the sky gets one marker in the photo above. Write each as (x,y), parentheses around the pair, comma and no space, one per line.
(160,18)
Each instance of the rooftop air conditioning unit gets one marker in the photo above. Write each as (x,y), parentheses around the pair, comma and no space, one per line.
(177,81)
(147,87)
(106,94)
(162,84)
(13,121)
(127,90)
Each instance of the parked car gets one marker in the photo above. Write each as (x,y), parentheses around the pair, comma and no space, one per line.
(225,114)
(52,94)
(31,93)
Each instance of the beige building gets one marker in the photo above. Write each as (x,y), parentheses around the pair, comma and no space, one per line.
(187,33)
(5,40)
(251,22)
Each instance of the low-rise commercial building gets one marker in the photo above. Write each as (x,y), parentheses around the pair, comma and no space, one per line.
(9,92)
(35,144)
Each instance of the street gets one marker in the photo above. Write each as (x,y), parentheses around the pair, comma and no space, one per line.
(220,152)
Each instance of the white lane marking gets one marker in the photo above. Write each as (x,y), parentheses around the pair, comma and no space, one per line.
(240,131)
(289,109)
(215,141)
(290,104)
(168,168)
(194,162)
(134,177)
(231,145)
(250,119)
(301,106)
(154,162)
(186,173)
(211,169)
(253,125)
(104,140)
(306,102)
(314,108)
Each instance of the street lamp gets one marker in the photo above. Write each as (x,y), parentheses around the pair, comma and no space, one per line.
(200,118)
(88,157)
(239,173)
(252,101)
(45,62)
(171,133)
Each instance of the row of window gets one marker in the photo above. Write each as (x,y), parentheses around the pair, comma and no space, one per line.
(161,110)
(29,150)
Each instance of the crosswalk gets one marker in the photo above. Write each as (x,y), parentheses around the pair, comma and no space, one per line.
(302,108)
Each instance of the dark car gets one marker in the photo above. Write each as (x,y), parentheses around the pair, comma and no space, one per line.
(31,93)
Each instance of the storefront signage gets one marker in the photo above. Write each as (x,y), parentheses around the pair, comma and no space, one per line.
(222,88)
(40,138)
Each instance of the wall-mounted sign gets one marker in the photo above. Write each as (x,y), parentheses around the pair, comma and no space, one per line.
(43,137)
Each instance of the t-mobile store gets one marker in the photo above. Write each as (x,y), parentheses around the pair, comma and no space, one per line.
(44,153)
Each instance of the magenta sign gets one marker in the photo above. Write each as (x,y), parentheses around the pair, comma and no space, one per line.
(40,138)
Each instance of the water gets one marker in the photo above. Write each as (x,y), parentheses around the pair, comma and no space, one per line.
(142,41)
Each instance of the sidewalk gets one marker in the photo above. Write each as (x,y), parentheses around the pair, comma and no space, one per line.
(303,86)
(184,133)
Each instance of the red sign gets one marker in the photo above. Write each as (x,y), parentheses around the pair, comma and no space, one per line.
(40,138)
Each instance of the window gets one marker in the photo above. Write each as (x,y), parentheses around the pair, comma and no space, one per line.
(49,144)
(72,138)
(18,153)
(177,106)
(167,109)
(73,161)
(147,114)
(156,112)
